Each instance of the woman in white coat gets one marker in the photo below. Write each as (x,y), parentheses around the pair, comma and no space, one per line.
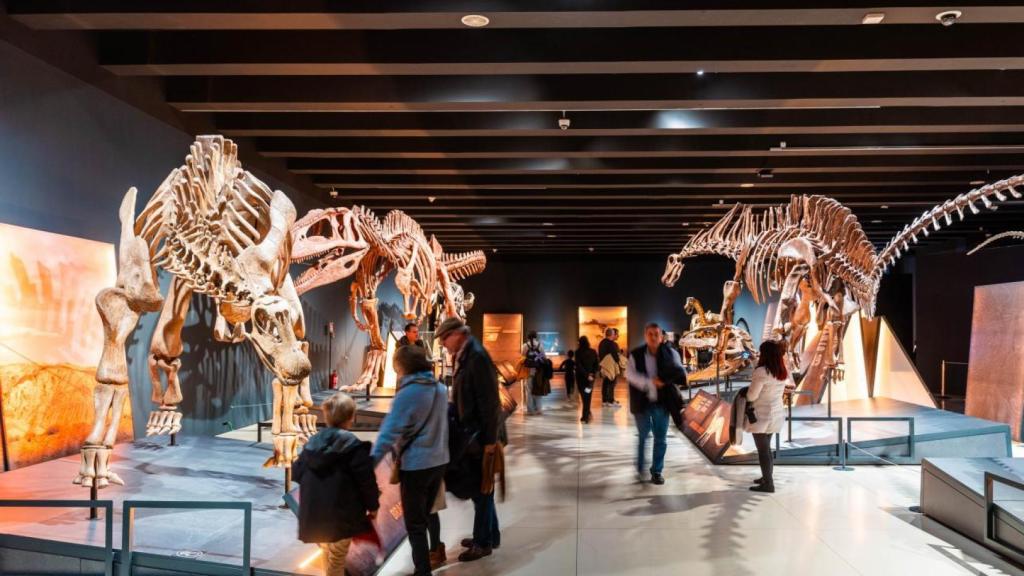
(764,397)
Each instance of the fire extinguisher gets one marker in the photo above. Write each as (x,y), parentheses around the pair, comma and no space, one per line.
(334,379)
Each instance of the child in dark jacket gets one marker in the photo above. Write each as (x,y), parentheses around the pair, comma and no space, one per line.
(569,368)
(338,494)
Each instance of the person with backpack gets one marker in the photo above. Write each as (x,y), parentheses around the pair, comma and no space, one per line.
(538,381)
(416,431)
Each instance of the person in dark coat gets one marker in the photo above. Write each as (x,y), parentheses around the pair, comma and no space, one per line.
(654,373)
(609,346)
(586,375)
(338,495)
(568,368)
(476,429)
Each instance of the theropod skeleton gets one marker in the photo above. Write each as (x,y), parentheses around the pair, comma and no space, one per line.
(353,242)
(814,253)
(221,232)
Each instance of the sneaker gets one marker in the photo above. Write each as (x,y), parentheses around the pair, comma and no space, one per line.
(657,479)
(438,556)
(474,553)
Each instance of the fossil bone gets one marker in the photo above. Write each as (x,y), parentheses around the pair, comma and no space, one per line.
(340,243)
(221,232)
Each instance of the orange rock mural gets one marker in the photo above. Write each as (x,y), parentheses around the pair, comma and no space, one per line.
(50,341)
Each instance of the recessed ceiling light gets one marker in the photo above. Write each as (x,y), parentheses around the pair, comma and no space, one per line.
(876,221)
(873,18)
(547,224)
(686,223)
(744,185)
(977,182)
(591,249)
(885,206)
(431,199)
(700,72)
(720,201)
(475,20)
(495,250)
(552,235)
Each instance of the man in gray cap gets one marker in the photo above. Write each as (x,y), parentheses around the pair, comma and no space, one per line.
(478,408)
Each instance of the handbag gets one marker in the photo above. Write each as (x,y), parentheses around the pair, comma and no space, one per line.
(396,468)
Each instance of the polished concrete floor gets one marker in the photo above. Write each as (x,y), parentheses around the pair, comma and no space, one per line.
(574,507)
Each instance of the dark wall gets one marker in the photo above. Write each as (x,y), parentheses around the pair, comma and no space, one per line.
(548,292)
(68,153)
(944,293)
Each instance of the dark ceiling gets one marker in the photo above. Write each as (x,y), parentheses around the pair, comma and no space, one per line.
(675,113)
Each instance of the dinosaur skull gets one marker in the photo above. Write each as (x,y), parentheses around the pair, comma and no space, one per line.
(673,270)
(689,307)
(273,336)
(330,240)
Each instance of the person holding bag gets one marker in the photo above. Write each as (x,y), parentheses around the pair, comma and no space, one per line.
(765,412)
(477,433)
(416,431)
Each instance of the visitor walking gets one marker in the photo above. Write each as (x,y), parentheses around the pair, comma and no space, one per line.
(534,360)
(654,372)
(586,375)
(568,367)
(765,413)
(608,356)
(416,431)
(338,495)
(476,434)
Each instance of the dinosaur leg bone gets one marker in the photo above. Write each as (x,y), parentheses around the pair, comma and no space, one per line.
(164,361)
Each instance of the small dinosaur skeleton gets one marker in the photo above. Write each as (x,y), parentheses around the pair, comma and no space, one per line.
(733,347)
(814,252)
(221,232)
(346,242)
(1015,234)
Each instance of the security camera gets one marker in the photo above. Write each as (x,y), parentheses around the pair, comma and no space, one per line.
(333,193)
(564,123)
(949,17)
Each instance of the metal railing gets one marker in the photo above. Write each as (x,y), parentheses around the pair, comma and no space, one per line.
(911,443)
(127,526)
(991,519)
(108,522)
(839,452)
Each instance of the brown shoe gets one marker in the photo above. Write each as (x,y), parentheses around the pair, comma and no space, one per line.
(474,553)
(438,556)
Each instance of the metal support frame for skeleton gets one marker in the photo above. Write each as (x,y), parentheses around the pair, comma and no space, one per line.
(221,232)
(352,242)
(814,252)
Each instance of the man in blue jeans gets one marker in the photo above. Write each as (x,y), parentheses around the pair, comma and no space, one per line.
(654,371)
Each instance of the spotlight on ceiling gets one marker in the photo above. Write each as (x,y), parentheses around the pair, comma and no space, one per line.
(333,193)
(552,235)
(765,173)
(475,20)
(876,221)
(494,250)
(873,18)
(547,224)
(744,185)
(949,17)
(977,182)
(431,199)
(700,72)
(591,249)
(885,206)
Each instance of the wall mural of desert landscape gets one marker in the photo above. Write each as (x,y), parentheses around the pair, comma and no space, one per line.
(50,341)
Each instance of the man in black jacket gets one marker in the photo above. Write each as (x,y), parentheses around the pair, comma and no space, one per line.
(477,410)
(654,372)
(609,346)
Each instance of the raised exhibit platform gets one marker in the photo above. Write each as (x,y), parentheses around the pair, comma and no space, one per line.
(879,430)
(54,541)
(953,492)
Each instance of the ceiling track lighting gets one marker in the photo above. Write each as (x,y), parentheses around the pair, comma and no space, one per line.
(563,122)
(333,193)
(873,18)
(948,17)
(475,20)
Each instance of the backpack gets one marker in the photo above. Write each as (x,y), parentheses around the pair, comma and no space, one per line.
(535,357)
(548,367)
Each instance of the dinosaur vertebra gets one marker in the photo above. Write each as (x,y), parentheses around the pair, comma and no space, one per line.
(221,232)
(342,242)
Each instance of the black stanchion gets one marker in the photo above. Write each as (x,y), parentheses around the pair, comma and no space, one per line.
(94,495)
